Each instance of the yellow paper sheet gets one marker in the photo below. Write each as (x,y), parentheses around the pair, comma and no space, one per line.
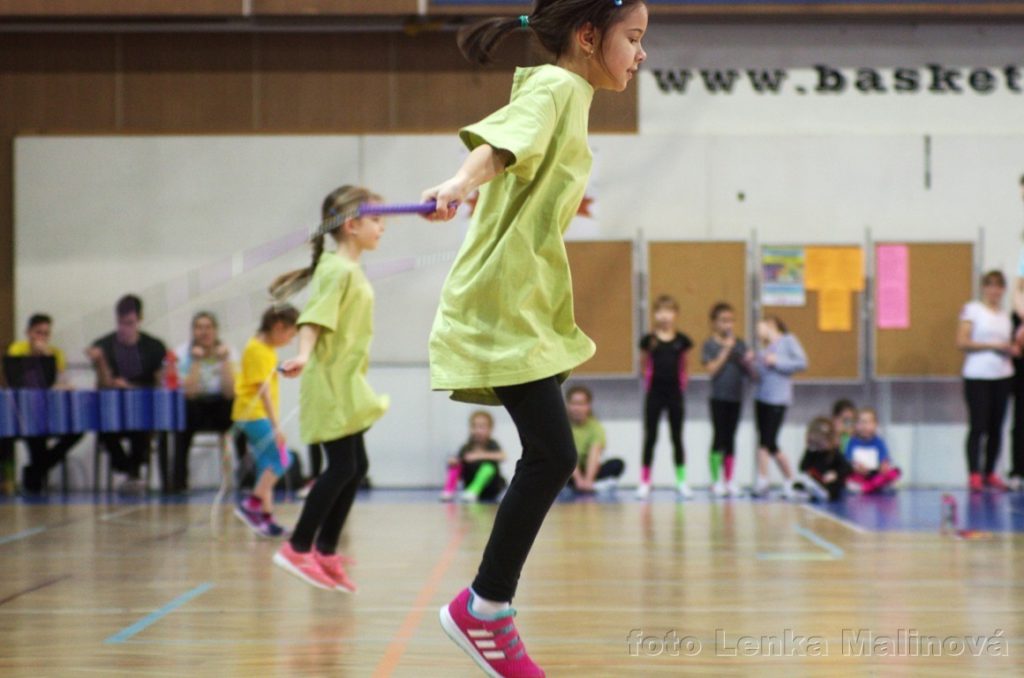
(835,310)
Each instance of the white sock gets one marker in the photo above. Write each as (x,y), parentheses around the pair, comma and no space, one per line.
(486,609)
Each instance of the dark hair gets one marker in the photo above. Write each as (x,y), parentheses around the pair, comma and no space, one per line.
(127,305)
(279,313)
(993,277)
(39,319)
(552,21)
(666,301)
(720,308)
(579,388)
(843,404)
(338,202)
(777,321)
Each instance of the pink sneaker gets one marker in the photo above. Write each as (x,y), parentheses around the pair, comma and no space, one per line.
(996,483)
(304,566)
(494,644)
(333,567)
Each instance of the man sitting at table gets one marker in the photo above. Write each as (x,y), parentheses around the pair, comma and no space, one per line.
(128,358)
(29,371)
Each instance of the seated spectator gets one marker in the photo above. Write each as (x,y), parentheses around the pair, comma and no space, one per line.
(128,358)
(844,418)
(477,463)
(207,373)
(873,470)
(591,473)
(42,456)
(823,469)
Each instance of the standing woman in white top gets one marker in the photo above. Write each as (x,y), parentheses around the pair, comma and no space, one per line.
(986,337)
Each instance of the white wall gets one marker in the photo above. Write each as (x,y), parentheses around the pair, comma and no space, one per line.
(173,217)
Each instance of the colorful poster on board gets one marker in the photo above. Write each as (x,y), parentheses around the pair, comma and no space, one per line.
(782,276)
(892,295)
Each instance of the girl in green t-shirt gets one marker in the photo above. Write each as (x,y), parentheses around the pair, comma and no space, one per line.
(505,331)
(337,405)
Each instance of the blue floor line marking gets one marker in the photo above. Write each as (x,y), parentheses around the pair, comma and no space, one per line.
(21,535)
(158,614)
(834,550)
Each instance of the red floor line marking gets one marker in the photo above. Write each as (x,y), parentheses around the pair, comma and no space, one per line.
(31,589)
(395,650)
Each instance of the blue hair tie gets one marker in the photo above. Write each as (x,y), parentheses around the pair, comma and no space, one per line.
(618,3)
(524,20)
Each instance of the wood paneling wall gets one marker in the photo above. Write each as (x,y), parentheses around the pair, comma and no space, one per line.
(132,9)
(219,9)
(201,83)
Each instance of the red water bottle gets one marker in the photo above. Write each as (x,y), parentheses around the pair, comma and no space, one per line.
(948,516)
(171,371)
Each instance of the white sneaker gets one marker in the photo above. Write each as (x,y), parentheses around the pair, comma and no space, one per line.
(684,491)
(719,489)
(643,491)
(733,489)
(788,492)
(446,496)
(1015,483)
(760,487)
(468,497)
(606,486)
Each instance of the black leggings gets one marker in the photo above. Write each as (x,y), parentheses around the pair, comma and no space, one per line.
(331,497)
(549,457)
(658,400)
(769,421)
(201,414)
(612,468)
(725,418)
(1017,444)
(986,409)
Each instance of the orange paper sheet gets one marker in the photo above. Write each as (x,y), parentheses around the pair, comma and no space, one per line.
(835,310)
(840,268)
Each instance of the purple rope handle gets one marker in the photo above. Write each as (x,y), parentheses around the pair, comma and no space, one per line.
(402,208)
(366,209)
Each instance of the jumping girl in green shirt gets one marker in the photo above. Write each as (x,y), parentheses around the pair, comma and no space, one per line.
(505,331)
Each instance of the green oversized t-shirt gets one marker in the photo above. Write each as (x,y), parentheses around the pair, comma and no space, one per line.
(586,435)
(506,312)
(335,399)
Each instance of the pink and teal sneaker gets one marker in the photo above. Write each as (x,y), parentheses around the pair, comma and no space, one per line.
(494,644)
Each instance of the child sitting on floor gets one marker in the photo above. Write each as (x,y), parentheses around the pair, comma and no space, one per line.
(476,464)
(823,469)
(873,470)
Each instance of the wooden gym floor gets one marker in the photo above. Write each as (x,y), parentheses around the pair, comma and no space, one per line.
(613,588)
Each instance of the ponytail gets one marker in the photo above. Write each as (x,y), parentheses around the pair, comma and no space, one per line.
(339,201)
(478,41)
(551,21)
